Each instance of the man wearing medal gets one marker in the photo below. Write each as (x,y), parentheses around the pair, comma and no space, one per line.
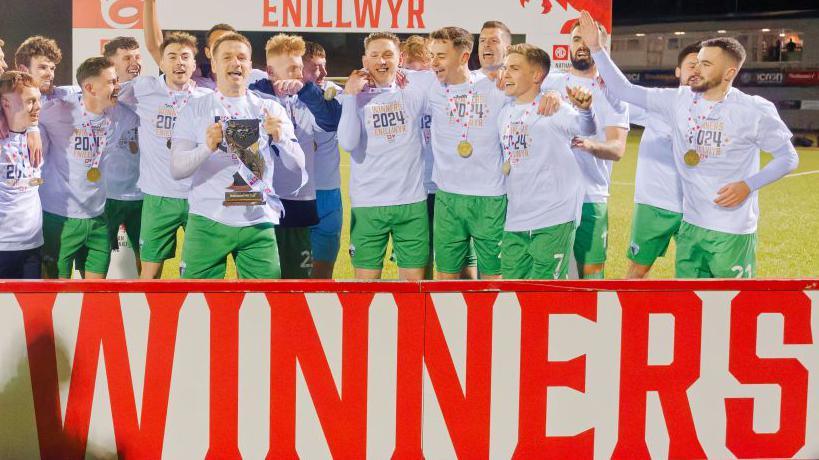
(225,141)
(21,218)
(380,127)
(120,161)
(158,100)
(77,131)
(596,156)
(718,132)
(544,184)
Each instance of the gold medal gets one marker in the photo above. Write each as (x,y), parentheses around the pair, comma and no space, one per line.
(330,93)
(507,167)
(36,181)
(465,149)
(93,175)
(691,158)
(133,147)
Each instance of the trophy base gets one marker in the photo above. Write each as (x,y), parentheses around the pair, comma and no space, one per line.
(243,199)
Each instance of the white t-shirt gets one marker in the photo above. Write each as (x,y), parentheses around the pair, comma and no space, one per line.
(481,174)
(728,136)
(120,163)
(596,171)
(211,180)
(157,107)
(60,93)
(386,167)
(657,182)
(545,184)
(21,217)
(326,171)
(71,150)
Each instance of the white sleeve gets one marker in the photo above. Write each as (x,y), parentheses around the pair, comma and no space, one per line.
(662,101)
(288,147)
(127,94)
(349,128)
(773,136)
(186,157)
(577,122)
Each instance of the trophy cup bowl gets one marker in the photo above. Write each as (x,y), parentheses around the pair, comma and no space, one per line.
(242,138)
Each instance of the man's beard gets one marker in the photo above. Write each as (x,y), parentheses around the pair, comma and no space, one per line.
(705,85)
(582,64)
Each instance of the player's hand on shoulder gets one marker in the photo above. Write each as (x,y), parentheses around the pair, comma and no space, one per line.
(273,126)
(213,136)
(356,83)
(580,97)
(732,194)
(549,103)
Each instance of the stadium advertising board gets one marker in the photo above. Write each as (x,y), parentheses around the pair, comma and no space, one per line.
(545,23)
(224,370)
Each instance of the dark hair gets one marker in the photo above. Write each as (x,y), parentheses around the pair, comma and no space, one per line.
(119,43)
(729,45)
(314,49)
(179,38)
(498,25)
(218,28)
(693,48)
(37,46)
(460,38)
(230,37)
(92,67)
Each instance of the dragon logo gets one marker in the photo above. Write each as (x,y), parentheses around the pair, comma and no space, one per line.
(600,11)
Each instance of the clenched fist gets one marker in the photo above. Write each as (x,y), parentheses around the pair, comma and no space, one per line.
(579,97)
(213,136)
(273,126)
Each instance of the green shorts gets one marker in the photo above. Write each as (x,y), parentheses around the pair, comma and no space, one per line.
(460,219)
(703,253)
(590,241)
(161,218)
(68,240)
(541,254)
(371,227)
(651,231)
(128,213)
(294,252)
(208,243)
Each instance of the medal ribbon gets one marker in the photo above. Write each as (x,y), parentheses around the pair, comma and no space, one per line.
(453,107)
(695,121)
(507,129)
(100,142)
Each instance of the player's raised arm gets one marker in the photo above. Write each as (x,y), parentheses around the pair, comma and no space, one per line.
(153,33)
(349,128)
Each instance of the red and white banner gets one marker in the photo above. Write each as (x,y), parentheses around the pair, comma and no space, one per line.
(543,22)
(228,370)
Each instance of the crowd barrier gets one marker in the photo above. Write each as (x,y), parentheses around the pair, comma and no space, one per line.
(351,370)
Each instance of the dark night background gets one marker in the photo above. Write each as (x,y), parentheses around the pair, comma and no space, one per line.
(22,18)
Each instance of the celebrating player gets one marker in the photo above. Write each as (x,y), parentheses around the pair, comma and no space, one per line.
(77,131)
(120,161)
(658,191)
(325,237)
(493,41)
(21,216)
(545,185)
(718,132)
(40,56)
(158,100)
(380,127)
(595,155)
(284,66)
(225,140)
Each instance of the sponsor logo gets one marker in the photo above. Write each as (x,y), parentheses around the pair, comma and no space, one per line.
(560,52)
(108,14)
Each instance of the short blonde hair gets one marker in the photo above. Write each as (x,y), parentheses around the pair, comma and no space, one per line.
(231,37)
(415,49)
(534,56)
(291,45)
